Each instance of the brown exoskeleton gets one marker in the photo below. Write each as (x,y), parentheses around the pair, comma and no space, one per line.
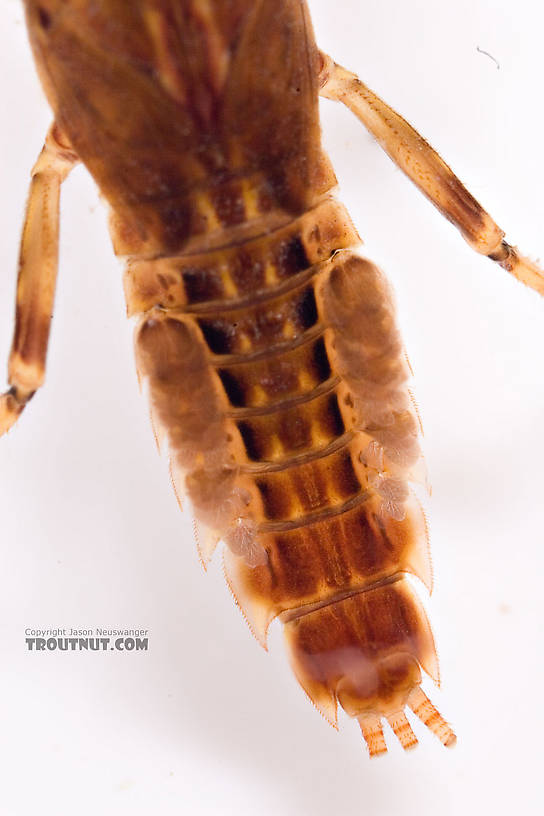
(271,351)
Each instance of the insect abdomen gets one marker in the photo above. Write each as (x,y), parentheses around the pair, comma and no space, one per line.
(276,369)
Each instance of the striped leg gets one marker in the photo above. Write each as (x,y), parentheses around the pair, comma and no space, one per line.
(38,262)
(417,159)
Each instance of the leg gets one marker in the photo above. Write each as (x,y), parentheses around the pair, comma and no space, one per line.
(427,170)
(38,260)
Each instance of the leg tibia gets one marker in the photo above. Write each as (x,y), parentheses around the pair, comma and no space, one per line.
(417,159)
(37,276)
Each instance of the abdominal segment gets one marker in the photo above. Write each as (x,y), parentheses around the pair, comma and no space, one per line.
(284,400)
(363,651)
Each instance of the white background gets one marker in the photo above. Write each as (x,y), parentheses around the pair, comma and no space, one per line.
(206,722)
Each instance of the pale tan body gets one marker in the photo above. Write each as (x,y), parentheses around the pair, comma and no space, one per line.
(39,260)
(39,246)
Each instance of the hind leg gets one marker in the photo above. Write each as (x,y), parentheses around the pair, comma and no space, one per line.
(417,159)
(38,260)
